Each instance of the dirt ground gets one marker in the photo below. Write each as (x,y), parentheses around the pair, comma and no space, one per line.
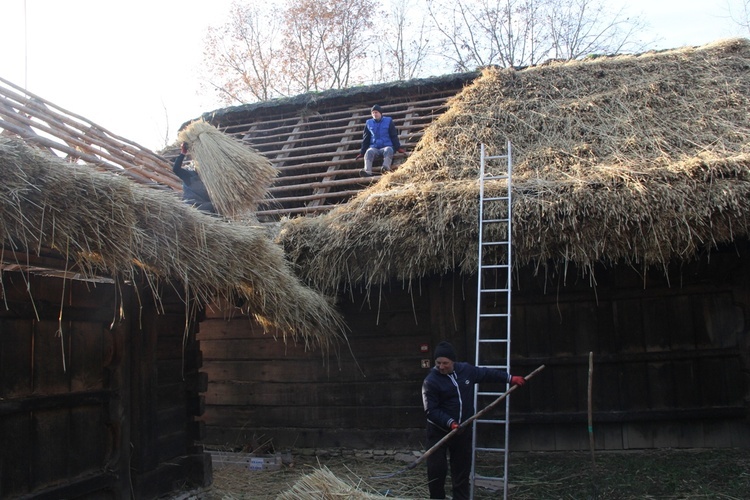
(663,474)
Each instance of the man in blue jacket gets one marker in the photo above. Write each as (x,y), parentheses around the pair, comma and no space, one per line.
(379,138)
(448,398)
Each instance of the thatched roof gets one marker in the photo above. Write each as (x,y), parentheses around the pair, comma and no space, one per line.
(107,225)
(637,159)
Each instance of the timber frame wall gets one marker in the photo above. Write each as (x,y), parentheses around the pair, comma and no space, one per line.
(671,363)
(107,410)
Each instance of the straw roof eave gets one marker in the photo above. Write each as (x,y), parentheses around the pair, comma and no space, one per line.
(615,161)
(109,226)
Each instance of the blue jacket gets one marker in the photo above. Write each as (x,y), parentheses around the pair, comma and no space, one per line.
(450,398)
(380,134)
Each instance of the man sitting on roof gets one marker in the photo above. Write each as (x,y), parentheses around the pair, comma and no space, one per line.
(194,192)
(380,138)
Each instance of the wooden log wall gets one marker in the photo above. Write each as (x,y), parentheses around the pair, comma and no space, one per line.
(105,410)
(670,364)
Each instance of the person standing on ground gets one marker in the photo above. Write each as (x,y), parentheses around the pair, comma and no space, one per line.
(379,138)
(448,399)
(194,192)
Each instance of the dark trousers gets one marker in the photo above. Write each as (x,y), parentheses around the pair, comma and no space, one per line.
(459,450)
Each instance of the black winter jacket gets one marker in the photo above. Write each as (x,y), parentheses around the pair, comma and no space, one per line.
(450,398)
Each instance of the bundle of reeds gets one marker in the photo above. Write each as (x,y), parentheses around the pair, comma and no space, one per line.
(236,176)
(322,484)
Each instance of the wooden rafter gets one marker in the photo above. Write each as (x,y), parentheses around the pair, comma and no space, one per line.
(75,138)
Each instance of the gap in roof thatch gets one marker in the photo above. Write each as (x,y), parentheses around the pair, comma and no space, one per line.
(313,139)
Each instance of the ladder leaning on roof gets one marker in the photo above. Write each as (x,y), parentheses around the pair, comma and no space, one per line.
(490,441)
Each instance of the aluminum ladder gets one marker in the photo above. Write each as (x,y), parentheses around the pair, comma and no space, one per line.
(489,466)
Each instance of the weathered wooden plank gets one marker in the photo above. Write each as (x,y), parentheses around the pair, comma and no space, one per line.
(360,346)
(89,437)
(50,441)
(87,350)
(15,455)
(317,417)
(355,438)
(294,371)
(376,393)
(15,358)
(50,358)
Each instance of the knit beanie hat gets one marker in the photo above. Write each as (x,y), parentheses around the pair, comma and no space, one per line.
(376,108)
(445,350)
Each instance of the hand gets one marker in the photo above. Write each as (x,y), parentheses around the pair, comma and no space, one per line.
(454,425)
(401,150)
(516,380)
(183,148)
(359,157)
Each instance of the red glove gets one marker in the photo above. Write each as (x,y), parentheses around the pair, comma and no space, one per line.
(401,150)
(454,425)
(183,148)
(516,380)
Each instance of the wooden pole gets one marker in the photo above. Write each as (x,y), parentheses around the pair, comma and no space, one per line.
(463,425)
(590,408)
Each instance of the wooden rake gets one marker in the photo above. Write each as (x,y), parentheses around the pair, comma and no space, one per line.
(463,425)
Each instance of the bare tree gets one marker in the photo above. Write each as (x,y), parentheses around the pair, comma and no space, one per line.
(524,32)
(581,27)
(324,39)
(403,41)
(242,56)
(740,14)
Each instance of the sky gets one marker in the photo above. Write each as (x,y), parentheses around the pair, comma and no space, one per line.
(133,67)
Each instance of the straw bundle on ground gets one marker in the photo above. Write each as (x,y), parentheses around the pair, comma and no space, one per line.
(236,176)
(109,226)
(638,159)
(324,485)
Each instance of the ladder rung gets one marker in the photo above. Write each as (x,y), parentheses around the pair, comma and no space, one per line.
(494,266)
(493,290)
(490,315)
(494,422)
(486,243)
(493,394)
(489,483)
(491,449)
(497,198)
(494,220)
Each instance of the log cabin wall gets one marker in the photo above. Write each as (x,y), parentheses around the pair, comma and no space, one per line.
(103,411)
(670,363)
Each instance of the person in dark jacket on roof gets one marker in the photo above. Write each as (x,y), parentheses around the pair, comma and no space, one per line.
(379,138)
(448,398)
(194,192)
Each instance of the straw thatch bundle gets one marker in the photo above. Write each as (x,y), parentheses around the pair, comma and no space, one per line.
(236,176)
(639,159)
(108,225)
(322,484)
